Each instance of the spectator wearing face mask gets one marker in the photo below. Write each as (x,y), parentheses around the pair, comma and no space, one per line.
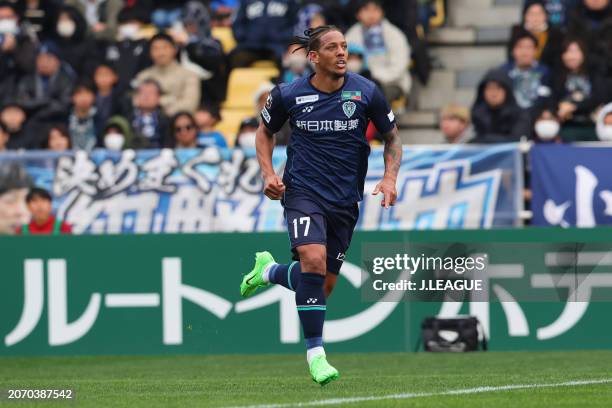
(207,117)
(117,134)
(75,46)
(530,79)
(185,131)
(246,133)
(295,64)
(546,127)
(358,62)
(128,53)
(17,52)
(549,37)
(604,123)
(58,138)
(83,122)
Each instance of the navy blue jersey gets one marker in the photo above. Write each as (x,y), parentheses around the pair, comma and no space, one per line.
(328,151)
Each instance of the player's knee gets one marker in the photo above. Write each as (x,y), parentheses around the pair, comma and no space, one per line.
(313,260)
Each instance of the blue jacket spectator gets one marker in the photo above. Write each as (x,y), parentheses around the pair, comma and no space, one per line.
(530,79)
(262,29)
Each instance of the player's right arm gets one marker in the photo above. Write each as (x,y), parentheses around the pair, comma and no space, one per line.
(273,116)
(264,145)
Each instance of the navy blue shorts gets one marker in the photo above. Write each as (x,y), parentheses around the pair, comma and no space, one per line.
(314,220)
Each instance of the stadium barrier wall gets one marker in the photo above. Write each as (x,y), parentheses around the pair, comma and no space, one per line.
(168,294)
(220,190)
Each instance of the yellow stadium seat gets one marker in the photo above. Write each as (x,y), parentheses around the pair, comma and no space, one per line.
(230,123)
(242,84)
(264,64)
(440,17)
(226,36)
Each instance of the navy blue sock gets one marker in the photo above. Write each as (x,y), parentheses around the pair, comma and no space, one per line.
(287,275)
(310,302)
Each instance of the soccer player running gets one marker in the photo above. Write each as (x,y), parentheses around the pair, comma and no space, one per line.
(327,160)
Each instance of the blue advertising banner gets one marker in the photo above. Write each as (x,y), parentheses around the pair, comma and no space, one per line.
(213,190)
(571,185)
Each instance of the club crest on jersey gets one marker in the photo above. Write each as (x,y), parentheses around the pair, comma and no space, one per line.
(349,108)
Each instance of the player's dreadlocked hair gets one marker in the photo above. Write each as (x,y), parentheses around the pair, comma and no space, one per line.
(311,41)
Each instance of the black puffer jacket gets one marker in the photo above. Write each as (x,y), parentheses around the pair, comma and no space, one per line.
(78,50)
(506,123)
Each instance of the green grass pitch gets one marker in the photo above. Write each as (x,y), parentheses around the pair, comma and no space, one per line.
(222,381)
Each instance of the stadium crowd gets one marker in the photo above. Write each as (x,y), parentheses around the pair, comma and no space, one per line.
(80,74)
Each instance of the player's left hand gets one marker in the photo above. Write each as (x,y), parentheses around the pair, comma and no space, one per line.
(387,187)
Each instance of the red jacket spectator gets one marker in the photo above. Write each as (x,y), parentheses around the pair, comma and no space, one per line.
(53,226)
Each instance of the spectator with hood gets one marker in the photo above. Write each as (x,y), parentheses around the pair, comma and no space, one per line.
(495,115)
(549,37)
(180,86)
(578,91)
(128,52)
(386,48)
(75,46)
(530,79)
(604,123)
(45,95)
(17,51)
(262,29)
(198,46)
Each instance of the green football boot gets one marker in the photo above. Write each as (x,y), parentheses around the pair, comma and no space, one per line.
(254,279)
(321,371)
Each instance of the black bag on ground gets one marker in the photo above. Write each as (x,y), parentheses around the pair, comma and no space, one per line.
(457,334)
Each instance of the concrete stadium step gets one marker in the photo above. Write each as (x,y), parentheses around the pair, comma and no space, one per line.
(460,57)
(469,36)
(418,119)
(483,17)
(421,136)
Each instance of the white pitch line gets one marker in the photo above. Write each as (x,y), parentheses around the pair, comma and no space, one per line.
(477,390)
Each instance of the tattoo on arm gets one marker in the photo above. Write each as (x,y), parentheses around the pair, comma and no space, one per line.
(392,153)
